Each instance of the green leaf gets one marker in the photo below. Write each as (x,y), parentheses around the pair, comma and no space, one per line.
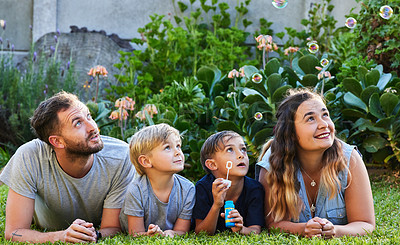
(253,98)
(362,71)
(274,81)
(210,74)
(280,93)
(352,113)
(374,143)
(352,85)
(383,81)
(375,107)
(219,101)
(309,80)
(372,78)
(261,136)
(249,71)
(388,102)
(228,125)
(308,63)
(353,100)
(366,93)
(272,67)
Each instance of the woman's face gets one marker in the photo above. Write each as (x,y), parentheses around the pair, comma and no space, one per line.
(315,130)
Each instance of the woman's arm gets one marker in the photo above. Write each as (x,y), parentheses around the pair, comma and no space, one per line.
(359,201)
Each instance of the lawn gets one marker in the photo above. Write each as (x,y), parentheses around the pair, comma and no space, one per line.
(386,192)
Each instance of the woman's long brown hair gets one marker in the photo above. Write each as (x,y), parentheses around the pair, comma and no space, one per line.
(284,200)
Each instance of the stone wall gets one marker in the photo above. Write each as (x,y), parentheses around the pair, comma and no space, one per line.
(124,17)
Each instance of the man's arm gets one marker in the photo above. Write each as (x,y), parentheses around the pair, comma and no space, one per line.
(19,213)
(110,222)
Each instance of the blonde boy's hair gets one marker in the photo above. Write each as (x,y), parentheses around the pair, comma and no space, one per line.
(146,139)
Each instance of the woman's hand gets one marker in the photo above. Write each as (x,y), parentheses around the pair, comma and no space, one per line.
(328,229)
(313,228)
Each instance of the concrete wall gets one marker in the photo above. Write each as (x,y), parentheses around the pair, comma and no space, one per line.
(124,17)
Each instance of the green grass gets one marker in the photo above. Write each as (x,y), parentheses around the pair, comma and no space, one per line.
(386,190)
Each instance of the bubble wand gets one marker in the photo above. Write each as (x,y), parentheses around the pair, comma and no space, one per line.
(228,166)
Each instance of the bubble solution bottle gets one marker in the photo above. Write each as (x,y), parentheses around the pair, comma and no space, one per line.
(229,206)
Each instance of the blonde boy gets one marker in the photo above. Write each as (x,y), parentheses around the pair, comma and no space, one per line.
(157,199)
(211,192)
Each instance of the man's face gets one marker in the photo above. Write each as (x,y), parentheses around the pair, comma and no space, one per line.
(78,131)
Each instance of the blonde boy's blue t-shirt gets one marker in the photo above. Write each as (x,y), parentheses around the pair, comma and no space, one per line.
(250,203)
(141,201)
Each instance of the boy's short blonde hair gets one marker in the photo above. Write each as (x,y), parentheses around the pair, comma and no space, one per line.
(146,139)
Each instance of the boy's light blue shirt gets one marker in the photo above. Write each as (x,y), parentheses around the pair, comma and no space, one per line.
(140,201)
(333,209)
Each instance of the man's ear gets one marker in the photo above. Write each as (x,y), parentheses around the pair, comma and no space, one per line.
(211,165)
(144,160)
(57,141)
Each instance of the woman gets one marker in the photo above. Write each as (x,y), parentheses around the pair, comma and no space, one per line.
(315,184)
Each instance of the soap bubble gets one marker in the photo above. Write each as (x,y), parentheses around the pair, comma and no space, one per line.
(386,12)
(313,48)
(257,78)
(258,116)
(324,62)
(279,4)
(350,23)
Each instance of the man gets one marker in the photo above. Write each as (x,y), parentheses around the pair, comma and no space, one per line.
(70,180)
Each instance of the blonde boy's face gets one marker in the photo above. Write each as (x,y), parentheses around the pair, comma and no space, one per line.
(168,156)
(235,151)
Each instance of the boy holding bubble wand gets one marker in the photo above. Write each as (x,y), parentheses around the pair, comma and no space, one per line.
(224,154)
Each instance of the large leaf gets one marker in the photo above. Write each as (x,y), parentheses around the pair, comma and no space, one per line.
(372,78)
(272,67)
(248,91)
(292,76)
(352,85)
(252,98)
(210,74)
(375,107)
(362,71)
(280,93)
(228,125)
(296,67)
(388,102)
(366,93)
(308,63)
(383,81)
(374,143)
(353,100)
(261,136)
(249,71)
(309,80)
(273,83)
(353,113)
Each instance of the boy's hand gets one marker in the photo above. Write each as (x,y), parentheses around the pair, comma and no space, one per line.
(219,190)
(235,217)
(154,229)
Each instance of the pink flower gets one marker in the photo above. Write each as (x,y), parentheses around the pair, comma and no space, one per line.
(114,115)
(234,73)
(265,41)
(291,50)
(98,71)
(241,70)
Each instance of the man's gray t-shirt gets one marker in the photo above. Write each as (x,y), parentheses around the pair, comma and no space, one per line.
(140,201)
(34,172)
